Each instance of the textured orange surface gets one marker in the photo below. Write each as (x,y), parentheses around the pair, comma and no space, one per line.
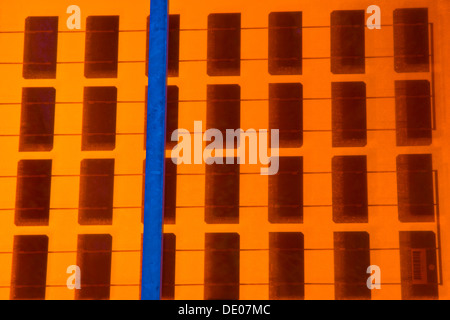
(190,227)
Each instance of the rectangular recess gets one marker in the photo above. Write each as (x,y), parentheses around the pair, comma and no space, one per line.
(99,118)
(411,40)
(94,259)
(96,192)
(351,260)
(348,41)
(223,107)
(173,58)
(413,113)
(286,192)
(286,113)
(37,119)
(349,123)
(29,267)
(224,44)
(415,188)
(222,266)
(222,192)
(34,178)
(419,277)
(102,47)
(349,183)
(40,48)
(285,43)
(168,267)
(170,192)
(286,266)
(172,115)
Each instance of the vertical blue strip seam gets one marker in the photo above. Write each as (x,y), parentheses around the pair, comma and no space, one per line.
(155,145)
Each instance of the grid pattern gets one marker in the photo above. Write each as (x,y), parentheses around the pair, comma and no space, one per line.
(358,185)
(362,143)
(72,106)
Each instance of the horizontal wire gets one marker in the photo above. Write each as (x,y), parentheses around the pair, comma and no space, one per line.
(214,250)
(217,100)
(206,29)
(209,174)
(212,60)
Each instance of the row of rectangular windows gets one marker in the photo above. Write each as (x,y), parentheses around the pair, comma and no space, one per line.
(418,263)
(415,191)
(349,123)
(411,44)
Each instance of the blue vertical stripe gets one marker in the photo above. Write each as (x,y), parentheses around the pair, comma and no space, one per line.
(154,166)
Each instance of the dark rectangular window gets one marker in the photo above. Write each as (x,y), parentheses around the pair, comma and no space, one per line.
(96,192)
(351,260)
(41,43)
(418,265)
(172,115)
(286,113)
(170,192)
(223,107)
(411,44)
(349,182)
(415,188)
(413,112)
(222,266)
(94,259)
(349,114)
(285,43)
(29,267)
(286,191)
(347,41)
(34,179)
(102,47)
(168,269)
(99,118)
(174,45)
(286,266)
(222,192)
(37,120)
(224,44)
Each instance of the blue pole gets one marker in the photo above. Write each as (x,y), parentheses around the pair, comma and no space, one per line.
(154,166)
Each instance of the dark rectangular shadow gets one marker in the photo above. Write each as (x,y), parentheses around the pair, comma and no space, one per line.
(348,41)
(286,113)
(34,178)
(102,47)
(286,266)
(99,118)
(29,267)
(351,260)
(224,44)
(285,43)
(94,259)
(222,193)
(415,189)
(413,113)
(349,114)
(37,119)
(40,48)
(286,192)
(221,266)
(96,192)
(411,43)
(349,182)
